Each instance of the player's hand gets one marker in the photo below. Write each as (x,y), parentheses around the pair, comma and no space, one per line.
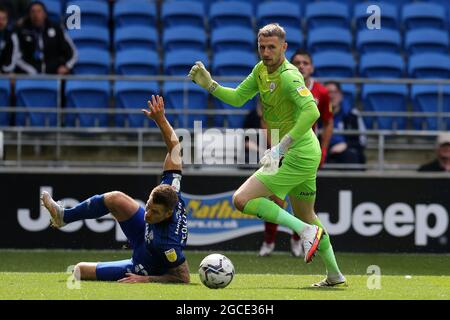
(271,159)
(156,107)
(134,278)
(202,77)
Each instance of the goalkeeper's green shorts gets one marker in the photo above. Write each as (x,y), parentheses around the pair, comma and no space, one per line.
(295,177)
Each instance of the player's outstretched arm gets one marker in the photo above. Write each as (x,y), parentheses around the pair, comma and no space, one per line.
(235,97)
(156,113)
(178,274)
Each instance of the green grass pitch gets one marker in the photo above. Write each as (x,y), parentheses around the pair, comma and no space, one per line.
(42,275)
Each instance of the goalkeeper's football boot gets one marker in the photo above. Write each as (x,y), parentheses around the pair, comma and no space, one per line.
(332,281)
(311,237)
(55,209)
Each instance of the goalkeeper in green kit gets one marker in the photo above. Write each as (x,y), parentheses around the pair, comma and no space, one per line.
(290,166)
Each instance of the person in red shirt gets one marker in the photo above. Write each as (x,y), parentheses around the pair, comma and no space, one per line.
(303,61)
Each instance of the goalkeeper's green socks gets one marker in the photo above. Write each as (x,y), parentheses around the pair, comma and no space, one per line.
(271,212)
(326,252)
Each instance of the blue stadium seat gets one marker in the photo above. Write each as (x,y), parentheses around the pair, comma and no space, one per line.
(231,13)
(327,38)
(333,64)
(426,40)
(93,13)
(294,39)
(381,65)
(186,13)
(136,37)
(385,98)
(134,12)
(426,98)
(380,40)
(137,62)
(4,102)
(233,38)
(233,63)
(134,95)
(429,65)
(186,95)
(424,15)
(185,37)
(327,14)
(231,121)
(92,61)
(287,14)
(389,15)
(36,94)
(86,94)
(53,10)
(180,62)
(90,37)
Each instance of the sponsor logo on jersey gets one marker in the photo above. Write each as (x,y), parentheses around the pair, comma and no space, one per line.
(272,86)
(171,255)
(303,91)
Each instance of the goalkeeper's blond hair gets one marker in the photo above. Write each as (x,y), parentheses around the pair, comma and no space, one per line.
(271,30)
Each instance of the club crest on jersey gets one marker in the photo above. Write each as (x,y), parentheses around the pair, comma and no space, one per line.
(303,91)
(272,86)
(171,255)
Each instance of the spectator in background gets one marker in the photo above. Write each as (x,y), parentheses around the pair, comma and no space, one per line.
(442,161)
(303,61)
(45,47)
(345,148)
(9,49)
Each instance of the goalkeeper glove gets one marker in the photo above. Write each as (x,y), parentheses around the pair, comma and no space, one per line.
(202,77)
(272,157)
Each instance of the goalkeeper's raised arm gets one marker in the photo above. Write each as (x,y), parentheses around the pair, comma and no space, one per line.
(235,97)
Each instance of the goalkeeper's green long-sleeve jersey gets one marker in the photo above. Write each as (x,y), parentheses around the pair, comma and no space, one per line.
(287,104)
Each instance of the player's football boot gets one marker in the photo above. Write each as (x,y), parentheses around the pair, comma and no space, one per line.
(266,249)
(297,248)
(55,209)
(311,237)
(332,281)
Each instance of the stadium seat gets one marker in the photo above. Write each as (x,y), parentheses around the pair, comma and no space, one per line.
(294,39)
(137,62)
(90,37)
(4,102)
(231,121)
(233,63)
(186,13)
(53,10)
(36,94)
(333,64)
(429,65)
(424,15)
(389,15)
(134,12)
(287,14)
(327,38)
(381,65)
(136,37)
(426,40)
(92,61)
(132,95)
(233,38)
(327,14)
(86,94)
(93,13)
(231,13)
(186,95)
(381,40)
(180,62)
(185,37)
(385,98)
(426,98)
